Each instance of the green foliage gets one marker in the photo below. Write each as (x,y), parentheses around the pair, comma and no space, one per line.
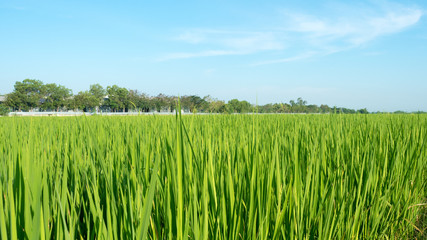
(217,106)
(236,106)
(85,101)
(97,91)
(118,98)
(160,102)
(55,97)
(213,177)
(4,110)
(194,103)
(26,95)
(363,111)
(33,94)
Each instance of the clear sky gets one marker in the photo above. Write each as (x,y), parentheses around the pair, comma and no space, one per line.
(346,53)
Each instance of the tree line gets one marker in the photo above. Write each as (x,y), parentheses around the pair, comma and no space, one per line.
(34,95)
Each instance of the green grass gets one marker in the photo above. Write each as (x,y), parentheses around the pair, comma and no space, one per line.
(214,177)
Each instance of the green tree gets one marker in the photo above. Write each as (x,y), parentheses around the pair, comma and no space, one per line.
(85,101)
(216,106)
(134,99)
(145,103)
(118,98)
(162,101)
(237,106)
(55,97)
(363,111)
(170,102)
(98,92)
(4,110)
(195,103)
(325,108)
(26,95)
(245,107)
(14,101)
(233,106)
(312,108)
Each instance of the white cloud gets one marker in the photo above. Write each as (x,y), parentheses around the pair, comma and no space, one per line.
(355,30)
(254,42)
(287,59)
(310,35)
(229,42)
(208,53)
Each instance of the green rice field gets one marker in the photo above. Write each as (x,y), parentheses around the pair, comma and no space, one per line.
(254,176)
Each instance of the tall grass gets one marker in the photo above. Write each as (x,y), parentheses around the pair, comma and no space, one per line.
(213,177)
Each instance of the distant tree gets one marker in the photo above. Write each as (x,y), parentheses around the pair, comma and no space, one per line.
(233,106)
(186,104)
(145,103)
(236,106)
(245,107)
(299,106)
(194,103)
(55,97)
(301,102)
(276,108)
(293,106)
(118,98)
(215,105)
(171,102)
(85,101)
(363,111)
(325,108)
(98,92)
(160,102)
(26,95)
(32,94)
(312,108)
(14,101)
(267,108)
(134,99)
(4,110)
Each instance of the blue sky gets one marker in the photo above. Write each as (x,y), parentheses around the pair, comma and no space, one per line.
(346,53)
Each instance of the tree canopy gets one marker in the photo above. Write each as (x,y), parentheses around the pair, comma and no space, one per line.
(34,95)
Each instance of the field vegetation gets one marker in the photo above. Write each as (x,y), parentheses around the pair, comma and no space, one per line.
(213,177)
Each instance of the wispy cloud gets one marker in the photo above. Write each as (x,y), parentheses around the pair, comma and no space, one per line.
(304,35)
(351,30)
(225,43)
(207,53)
(287,59)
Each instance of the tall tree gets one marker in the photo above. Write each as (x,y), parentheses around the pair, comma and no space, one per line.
(215,105)
(98,92)
(85,101)
(134,99)
(237,106)
(145,103)
(245,106)
(55,97)
(26,95)
(195,103)
(233,106)
(160,102)
(118,98)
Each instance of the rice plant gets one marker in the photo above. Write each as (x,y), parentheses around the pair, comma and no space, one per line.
(213,177)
